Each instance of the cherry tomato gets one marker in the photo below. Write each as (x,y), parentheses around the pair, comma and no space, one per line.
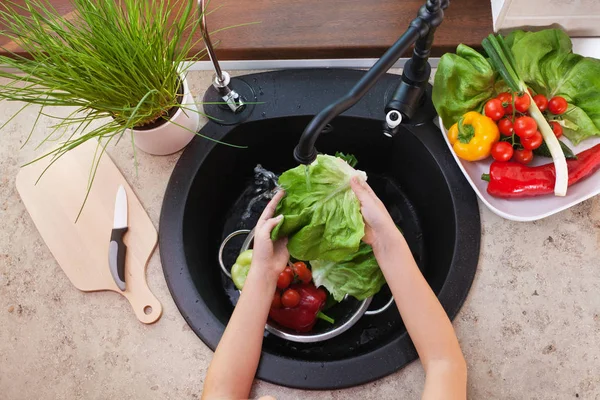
(522,103)
(532,142)
(493,109)
(502,151)
(523,156)
(290,298)
(525,127)
(302,272)
(556,128)
(541,101)
(557,105)
(288,270)
(284,280)
(276,303)
(506,99)
(505,126)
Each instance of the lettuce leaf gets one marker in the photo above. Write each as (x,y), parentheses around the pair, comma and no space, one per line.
(463,82)
(359,275)
(546,62)
(322,218)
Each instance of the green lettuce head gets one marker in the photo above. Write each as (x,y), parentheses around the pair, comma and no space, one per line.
(546,62)
(357,276)
(322,218)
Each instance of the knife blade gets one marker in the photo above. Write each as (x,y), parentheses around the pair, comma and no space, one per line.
(116,248)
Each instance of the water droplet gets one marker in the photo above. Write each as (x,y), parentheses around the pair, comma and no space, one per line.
(264,114)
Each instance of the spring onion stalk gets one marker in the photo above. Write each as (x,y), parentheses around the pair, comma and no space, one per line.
(502,59)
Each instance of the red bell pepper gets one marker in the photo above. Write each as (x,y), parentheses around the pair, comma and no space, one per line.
(304,316)
(513,180)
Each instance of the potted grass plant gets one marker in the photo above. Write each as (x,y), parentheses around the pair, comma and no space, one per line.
(118,61)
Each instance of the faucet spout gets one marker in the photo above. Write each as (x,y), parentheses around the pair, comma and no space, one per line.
(305,152)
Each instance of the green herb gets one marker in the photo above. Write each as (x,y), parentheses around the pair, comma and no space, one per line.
(119,60)
(349,158)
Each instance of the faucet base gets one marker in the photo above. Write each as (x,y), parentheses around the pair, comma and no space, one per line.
(219,111)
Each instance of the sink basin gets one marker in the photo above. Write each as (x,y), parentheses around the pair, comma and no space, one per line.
(414,174)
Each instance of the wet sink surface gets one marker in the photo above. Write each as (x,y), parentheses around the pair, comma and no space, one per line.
(413,173)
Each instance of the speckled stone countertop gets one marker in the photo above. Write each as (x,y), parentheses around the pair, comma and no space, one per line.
(530,328)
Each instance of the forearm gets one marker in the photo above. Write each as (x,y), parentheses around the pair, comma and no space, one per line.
(426,321)
(234,364)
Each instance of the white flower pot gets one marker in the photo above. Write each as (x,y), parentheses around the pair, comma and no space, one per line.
(174,134)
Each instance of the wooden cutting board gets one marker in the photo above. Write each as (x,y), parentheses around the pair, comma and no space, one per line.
(81,248)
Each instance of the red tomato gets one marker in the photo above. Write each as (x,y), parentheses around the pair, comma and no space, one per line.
(557,105)
(525,127)
(523,156)
(522,103)
(302,272)
(284,280)
(290,298)
(532,142)
(505,126)
(276,303)
(556,128)
(502,151)
(493,109)
(288,270)
(541,101)
(506,99)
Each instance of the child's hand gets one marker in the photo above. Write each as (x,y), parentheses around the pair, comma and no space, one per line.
(269,257)
(378,222)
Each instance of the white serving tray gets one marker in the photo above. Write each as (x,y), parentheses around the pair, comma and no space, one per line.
(533,208)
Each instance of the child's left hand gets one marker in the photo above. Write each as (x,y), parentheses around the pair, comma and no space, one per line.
(269,257)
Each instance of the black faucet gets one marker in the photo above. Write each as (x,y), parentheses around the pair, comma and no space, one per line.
(408,95)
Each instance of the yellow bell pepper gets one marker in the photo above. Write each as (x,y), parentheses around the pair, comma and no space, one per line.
(473,135)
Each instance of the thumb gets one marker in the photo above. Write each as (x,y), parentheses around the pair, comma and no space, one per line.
(359,189)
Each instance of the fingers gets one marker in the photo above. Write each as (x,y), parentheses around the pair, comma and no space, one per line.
(361,189)
(269,210)
(270,224)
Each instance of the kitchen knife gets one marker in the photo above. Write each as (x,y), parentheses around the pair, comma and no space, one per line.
(117,249)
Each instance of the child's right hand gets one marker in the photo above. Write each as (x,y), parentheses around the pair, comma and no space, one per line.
(379,226)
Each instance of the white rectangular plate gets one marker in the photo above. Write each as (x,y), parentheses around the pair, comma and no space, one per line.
(532,208)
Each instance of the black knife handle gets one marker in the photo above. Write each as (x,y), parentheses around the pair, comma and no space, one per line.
(117,237)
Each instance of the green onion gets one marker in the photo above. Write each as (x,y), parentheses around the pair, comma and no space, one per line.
(502,59)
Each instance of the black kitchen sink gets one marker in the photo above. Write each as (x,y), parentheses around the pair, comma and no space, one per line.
(414,173)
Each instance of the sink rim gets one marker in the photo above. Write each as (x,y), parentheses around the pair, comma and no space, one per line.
(274,368)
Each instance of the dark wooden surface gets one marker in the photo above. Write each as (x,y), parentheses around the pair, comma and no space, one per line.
(302,29)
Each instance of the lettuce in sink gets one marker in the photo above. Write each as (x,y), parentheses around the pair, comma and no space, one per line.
(323,222)
(359,275)
(322,218)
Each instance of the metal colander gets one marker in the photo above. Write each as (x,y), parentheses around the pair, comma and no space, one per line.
(345,314)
